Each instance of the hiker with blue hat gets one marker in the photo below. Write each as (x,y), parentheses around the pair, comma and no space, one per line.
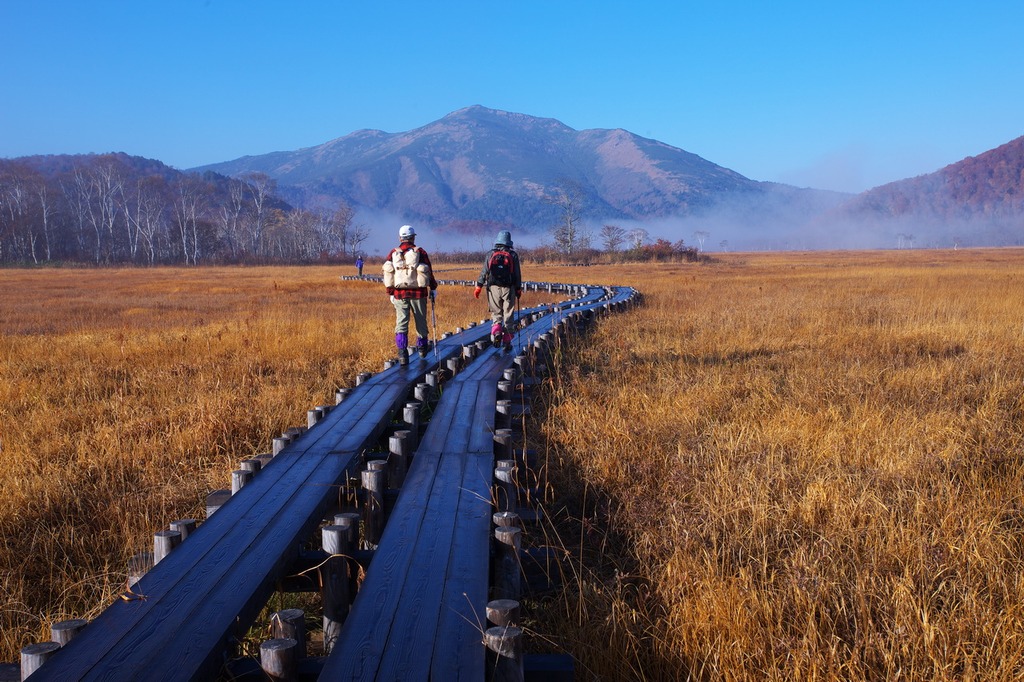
(503,278)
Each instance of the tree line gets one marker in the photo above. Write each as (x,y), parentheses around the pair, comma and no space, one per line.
(116,209)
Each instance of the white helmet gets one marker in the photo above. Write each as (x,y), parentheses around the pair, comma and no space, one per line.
(406,231)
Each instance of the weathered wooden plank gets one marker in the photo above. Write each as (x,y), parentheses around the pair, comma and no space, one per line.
(411,634)
(457,650)
(363,637)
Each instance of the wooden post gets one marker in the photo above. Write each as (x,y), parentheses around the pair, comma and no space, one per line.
(138,566)
(505,654)
(163,542)
(423,392)
(505,389)
(252,465)
(340,395)
(373,508)
(238,480)
(503,414)
(431,378)
(184,526)
(411,419)
(290,624)
(349,523)
(505,494)
(34,655)
(313,416)
(503,440)
(505,519)
(278,659)
(507,579)
(362,378)
(503,612)
(215,500)
(64,631)
(336,541)
(280,443)
(398,445)
(380,465)
(453,366)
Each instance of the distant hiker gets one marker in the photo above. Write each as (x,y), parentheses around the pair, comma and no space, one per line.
(502,276)
(410,281)
(359,265)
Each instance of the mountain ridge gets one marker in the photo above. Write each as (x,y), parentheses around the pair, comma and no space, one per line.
(480,164)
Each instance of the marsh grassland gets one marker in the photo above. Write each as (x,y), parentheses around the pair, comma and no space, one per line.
(127,395)
(799,466)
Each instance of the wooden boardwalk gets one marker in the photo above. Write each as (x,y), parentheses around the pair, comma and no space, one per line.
(419,613)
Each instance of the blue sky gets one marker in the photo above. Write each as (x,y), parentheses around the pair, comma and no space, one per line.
(833,95)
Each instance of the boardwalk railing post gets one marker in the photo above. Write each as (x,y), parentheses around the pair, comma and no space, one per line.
(253,464)
(411,419)
(337,543)
(138,566)
(64,631)
(503,612)
(398,445)
(290,624)
(163,542)
(507,579)
(373,506)
(505,492)
(239,478)
(280,442)
(503,414)
(34,655)
(215,500)
(278,659)
(349,523)
(184,526)
(505,654)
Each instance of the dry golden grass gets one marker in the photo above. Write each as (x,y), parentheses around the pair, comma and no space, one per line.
(804,466)
(815,463)
(127,395)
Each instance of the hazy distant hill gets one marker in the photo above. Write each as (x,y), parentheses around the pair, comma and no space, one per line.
(979,200)
(478,164)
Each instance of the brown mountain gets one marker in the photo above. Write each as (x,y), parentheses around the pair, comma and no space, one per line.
(979,200)
(482,166)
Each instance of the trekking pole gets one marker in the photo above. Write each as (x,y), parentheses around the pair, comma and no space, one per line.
(519,325)
(433,329)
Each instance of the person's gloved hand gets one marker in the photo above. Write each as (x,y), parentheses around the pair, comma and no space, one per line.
(519,293)
(476,292)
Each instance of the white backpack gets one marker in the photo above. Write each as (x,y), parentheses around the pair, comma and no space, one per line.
(403,270)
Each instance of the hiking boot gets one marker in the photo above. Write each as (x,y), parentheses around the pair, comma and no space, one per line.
(496,333)
(508,347)
(403,357)
(422,350)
